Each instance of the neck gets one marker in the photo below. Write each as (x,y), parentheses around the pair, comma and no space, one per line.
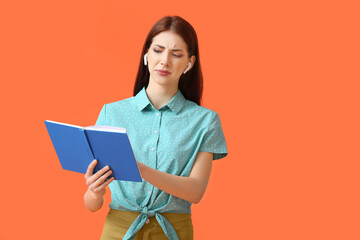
(160,95)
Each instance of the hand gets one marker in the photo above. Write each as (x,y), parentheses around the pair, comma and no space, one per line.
(98,181)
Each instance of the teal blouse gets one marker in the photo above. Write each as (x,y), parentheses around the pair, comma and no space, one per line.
(168,140)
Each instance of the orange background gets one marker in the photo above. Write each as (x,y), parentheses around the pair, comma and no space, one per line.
(283,76)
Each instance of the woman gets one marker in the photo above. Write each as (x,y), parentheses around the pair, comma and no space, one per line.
(173,138)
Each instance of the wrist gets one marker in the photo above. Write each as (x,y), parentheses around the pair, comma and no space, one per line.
(96,196)
(142,169)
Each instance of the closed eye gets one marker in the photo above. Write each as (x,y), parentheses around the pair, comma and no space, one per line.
(159,51)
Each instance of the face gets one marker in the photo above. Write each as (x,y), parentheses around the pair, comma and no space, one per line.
(168,58)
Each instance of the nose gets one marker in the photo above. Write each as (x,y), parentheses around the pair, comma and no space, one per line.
(165,59)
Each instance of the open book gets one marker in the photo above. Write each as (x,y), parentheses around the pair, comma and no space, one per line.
(76,147)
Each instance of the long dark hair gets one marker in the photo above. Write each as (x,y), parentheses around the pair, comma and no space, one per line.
(191,83)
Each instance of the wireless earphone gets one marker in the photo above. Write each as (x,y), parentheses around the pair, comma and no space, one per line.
(188,67)
(145,60)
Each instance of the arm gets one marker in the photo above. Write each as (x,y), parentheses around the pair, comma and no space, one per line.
(190,188)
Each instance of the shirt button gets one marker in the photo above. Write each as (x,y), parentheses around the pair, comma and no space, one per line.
(158,114)
(147,221)
(149,192)
(156,131)
(152,149)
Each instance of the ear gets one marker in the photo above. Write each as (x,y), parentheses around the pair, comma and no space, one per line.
(192,60)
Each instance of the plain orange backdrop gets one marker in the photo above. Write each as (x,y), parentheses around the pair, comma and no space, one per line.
(283,76)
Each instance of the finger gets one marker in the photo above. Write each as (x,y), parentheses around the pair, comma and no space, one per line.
(99,173)
(92,178)
(90,168)
(101,179)
(104,184)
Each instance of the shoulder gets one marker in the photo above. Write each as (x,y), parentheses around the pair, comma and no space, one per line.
(118,113)
(126,103)
(205,114)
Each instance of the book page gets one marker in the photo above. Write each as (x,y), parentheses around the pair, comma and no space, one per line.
(106,129)
(65,124)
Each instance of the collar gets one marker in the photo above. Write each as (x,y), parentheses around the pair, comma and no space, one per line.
(175,104)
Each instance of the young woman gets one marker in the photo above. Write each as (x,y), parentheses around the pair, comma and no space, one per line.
(174,140)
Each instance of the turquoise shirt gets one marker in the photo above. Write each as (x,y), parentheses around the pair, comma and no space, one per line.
(168,140)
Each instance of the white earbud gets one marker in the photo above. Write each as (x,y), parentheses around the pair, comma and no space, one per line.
(145,60)
(188,67)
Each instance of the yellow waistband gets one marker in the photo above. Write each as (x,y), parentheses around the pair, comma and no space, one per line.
(129,216)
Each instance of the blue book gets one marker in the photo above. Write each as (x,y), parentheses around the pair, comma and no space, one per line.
(76,147)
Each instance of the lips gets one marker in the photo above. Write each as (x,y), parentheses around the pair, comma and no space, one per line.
(163,72)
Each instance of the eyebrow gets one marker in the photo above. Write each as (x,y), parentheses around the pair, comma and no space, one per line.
(174,50)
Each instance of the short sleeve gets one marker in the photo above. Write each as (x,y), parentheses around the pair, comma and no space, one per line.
(102,116)
(214,140)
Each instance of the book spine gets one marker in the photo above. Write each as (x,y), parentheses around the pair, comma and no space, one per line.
(87,146)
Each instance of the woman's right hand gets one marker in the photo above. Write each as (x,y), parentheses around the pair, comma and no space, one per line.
(97,182)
